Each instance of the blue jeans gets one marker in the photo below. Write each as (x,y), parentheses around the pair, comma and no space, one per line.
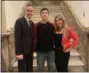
(49,56)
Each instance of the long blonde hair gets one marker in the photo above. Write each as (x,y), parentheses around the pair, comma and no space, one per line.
(64,28)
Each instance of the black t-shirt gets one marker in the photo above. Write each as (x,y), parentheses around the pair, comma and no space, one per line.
(45,37)
(58,41)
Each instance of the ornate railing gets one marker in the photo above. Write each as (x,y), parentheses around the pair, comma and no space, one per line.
(7,51)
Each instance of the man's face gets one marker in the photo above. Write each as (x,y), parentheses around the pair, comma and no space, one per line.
(44,14)
(29,11)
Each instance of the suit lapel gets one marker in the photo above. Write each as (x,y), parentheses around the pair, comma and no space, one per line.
(25,22)
(26,25)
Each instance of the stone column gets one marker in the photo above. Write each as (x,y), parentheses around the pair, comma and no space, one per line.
(5,52)
(11,51)
(88,50)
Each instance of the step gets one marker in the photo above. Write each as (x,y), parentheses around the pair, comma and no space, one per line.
(73,66)
(48,6)
(73,55)
(50,14)
(76,66)
(76,69)
(46,2)
(38,16)
(38,19)
(72,62)
(50,9)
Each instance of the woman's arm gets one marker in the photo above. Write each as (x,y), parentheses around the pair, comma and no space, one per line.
(73,43)
(74,37)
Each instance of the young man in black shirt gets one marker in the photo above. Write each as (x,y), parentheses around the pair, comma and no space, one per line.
(45,42)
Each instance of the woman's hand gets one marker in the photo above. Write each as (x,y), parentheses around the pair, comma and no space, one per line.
(67,50)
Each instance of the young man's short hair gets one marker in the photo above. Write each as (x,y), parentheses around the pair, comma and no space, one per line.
(43,9)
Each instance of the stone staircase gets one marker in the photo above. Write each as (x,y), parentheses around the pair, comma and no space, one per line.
(75,62)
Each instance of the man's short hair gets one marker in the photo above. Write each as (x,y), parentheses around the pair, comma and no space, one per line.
(43,9)
(28,4)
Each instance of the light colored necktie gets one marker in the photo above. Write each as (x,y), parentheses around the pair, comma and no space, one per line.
(29,22)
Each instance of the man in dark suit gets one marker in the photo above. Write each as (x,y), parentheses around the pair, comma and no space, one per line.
(24,40)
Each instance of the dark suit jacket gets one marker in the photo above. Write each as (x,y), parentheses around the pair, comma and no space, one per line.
(23,36)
